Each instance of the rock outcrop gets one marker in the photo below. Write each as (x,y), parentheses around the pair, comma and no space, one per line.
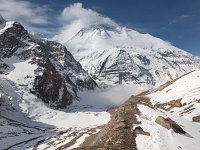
(196,119)
(169,124)
(139,130)
(169,105)
(2,22)
(120,125)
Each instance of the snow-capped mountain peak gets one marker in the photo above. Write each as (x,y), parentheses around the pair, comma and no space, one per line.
(112,53)
(50,73)
(115,54)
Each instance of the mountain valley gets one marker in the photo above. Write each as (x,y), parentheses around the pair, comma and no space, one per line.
(104,87)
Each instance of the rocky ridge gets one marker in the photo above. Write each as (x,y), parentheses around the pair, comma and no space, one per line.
(50,71)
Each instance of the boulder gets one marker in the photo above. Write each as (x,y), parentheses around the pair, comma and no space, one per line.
(196,119)
(175,103)
(169,124)
(139,130)
(120,125)
(169,105)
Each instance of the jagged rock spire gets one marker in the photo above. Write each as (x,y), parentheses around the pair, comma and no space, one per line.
(2,20)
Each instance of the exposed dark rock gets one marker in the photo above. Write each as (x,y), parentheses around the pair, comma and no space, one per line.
(169,124)
(175,103)
(144,59)
(3,67)
(196,119)
(166,54)
(139,130)
(169,105)
(70,66)
(12,39)
(103,65)
(51,87)
(120,125)
(2,21)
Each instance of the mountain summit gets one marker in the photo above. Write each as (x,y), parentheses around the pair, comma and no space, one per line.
(113,54)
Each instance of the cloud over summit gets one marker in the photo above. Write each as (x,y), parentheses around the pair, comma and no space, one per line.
(75,17)
(76,12)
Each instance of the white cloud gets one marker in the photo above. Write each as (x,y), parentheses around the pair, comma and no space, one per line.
(76,12)
(23,11)
(75,17)
(37,18)
(180,18)
(105,98)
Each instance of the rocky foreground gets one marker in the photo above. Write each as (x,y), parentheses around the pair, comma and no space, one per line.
(119,132)
(140,116)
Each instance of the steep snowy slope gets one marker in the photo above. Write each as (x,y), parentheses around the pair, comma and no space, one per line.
(179,100)
(30,124)
(181,97)
(113,54)
(40,68)
(37,78)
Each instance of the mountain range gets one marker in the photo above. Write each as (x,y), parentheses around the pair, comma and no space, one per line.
(113,54)
(42,105)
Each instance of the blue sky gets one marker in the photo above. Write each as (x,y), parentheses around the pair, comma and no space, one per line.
(177,21)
